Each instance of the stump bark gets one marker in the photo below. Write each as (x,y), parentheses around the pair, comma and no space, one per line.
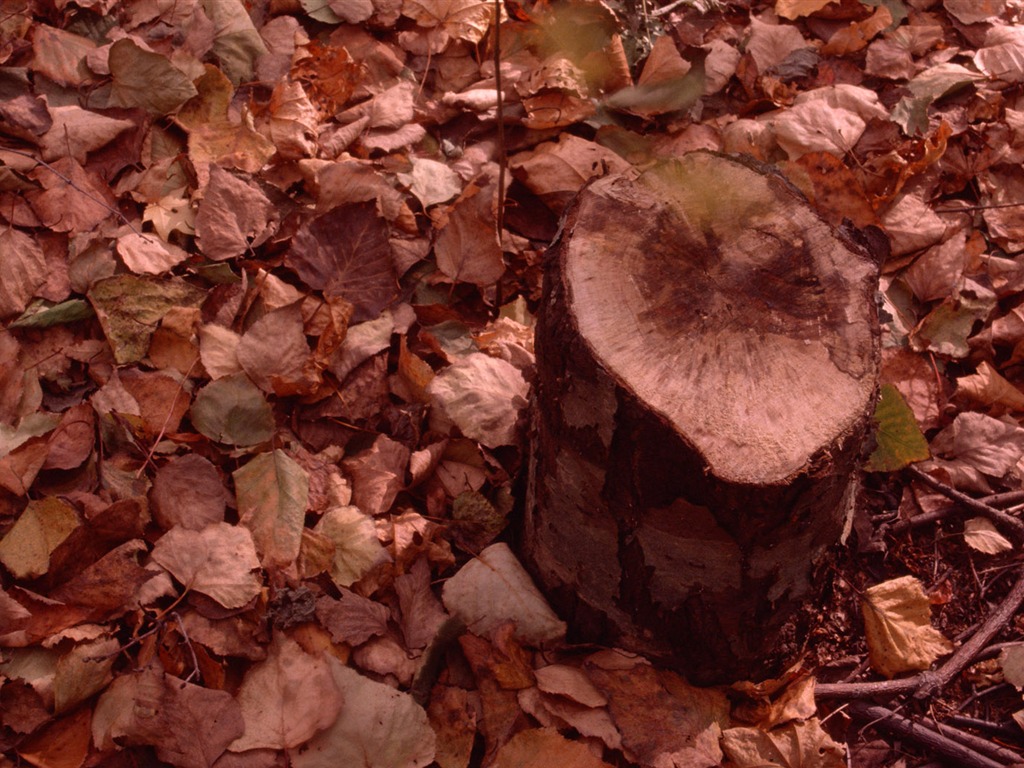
(707,370)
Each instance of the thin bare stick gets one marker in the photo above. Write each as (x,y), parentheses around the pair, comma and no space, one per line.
(74,186)
(950,749)
(927,684)
(1002,520)
(932,682)
(502,152)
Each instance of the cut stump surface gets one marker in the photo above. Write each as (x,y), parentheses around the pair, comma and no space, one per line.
(707,369)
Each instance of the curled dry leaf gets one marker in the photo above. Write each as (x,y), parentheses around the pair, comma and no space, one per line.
(981,534)
(897,622)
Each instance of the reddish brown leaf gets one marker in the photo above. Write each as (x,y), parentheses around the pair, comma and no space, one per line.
(346,253)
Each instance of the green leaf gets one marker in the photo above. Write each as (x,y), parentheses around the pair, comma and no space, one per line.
(130,308)
(898,437)
(39,315)
(232,410)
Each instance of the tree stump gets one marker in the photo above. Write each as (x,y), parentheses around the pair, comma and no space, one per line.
(707,370)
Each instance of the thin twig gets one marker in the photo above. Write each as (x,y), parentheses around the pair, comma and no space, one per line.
(70,182)
(1001,519)
(932,682)
(502,153)
(962,755)
(978,207)
(927,683)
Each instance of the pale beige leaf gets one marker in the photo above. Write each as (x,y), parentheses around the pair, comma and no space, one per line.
(1011,659)
(794,9)
(797,745)
(431,182)
(287,698)
(897,623)
(147,254)
(218,350)
(483,396)
(494,588)
(570,682)
(356,547)
(981,534)
(379,727)
(218,561)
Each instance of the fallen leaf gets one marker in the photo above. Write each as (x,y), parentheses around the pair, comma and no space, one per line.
(663,720)
(129,308)
(24,270)
(981,534)
(234,216)
(287,698)
(1011,659)
(494,588)
(188,725)
(379,728)
(188,491)
(272,492)
(543,747)
(146,79)
(345,253)
(898,439)
(40,528)
(356,547)
(897,623)
(483,396)
(796,745)
(232,410)
(218,561)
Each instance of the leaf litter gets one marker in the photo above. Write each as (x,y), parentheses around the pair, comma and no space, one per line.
(267,361)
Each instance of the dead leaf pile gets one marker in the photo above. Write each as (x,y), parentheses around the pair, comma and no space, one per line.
(266,357)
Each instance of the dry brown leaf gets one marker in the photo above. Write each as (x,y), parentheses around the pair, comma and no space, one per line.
(218,561)
(188,491)
(287,698)
(797,745)
(897,623)
(234,216)
(483,396)
(663,721)
(189,726)
(346,253)
(542,747)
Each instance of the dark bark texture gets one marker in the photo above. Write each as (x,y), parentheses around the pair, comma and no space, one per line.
(707,369)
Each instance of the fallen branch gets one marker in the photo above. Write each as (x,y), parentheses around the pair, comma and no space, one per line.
(1001,519)
(939,743)
(928,683)
(932,682)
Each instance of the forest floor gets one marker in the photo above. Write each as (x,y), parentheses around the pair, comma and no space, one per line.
(269,275)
